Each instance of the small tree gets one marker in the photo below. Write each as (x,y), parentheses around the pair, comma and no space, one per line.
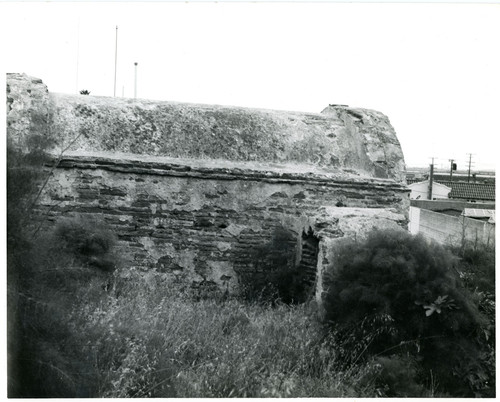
(34,327)
(396,293)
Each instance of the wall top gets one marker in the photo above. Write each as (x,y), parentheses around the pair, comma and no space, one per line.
(338,138)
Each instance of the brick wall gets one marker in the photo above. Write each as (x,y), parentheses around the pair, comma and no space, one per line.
(206,222)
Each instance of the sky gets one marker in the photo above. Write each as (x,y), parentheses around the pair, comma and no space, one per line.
(433,69)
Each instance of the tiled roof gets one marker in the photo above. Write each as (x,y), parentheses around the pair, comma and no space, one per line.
(471,191)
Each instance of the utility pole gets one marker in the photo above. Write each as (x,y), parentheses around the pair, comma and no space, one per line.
(77,53)
(470,160)
(135,81)
(453,167)
(431,178)
(116,58)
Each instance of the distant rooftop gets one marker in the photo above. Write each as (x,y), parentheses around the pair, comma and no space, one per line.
(487,214)
(471,191)
(464,190)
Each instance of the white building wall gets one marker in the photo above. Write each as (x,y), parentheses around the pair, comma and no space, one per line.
(414,224)
(420,190)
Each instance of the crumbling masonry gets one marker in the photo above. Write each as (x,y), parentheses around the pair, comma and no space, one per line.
(193,189)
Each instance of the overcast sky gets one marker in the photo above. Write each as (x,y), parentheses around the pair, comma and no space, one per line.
(433,69)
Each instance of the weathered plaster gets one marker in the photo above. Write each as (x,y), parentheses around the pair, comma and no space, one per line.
(192,190)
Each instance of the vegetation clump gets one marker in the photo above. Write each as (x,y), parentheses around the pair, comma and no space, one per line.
(396,295)
(88,240)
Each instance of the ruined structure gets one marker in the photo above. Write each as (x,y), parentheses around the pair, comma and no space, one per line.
(191,190)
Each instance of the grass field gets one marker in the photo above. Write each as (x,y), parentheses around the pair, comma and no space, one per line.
(145,337)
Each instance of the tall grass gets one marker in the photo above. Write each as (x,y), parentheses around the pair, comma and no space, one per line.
(149,338)
(85,329)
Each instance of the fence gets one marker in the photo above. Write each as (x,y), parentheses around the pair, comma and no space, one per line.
(451,230)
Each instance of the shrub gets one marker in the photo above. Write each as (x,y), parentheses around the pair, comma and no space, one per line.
(25,175)
(42,282)
(396,293)
(87,239)
(395,376)
(277,278)
(44,360)
(476,267)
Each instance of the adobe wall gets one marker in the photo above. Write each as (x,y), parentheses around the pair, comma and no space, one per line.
(340,138)
(192,190)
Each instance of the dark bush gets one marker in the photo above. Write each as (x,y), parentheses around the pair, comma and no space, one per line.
(477,267)
(42,278)
(396,377)
(25,175)
(43,359)
(276,276)
(396,293)
(88,240)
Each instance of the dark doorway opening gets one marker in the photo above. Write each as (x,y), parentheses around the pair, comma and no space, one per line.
(309,258)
